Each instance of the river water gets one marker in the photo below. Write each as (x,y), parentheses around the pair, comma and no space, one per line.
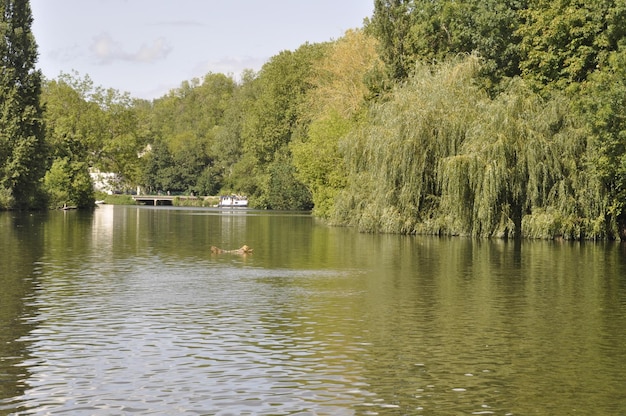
(124,310)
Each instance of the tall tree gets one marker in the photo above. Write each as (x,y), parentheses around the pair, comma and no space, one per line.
(333,105)
(391,24)
(273,120)
(228,145)
(22,148)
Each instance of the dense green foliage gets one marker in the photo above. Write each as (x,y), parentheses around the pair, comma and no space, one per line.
(413,31)
(538,153)
(603,108)
(270,124)
(485,118)
(563,42)
(333,108)
(22,146)
(182,128)
(87,127)
(69,184)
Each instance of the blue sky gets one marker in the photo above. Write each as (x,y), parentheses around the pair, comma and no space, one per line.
(147,47)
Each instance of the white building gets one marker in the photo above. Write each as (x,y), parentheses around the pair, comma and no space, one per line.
(107,182)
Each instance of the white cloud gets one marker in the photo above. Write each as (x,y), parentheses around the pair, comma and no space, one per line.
(150,53)
(107,50)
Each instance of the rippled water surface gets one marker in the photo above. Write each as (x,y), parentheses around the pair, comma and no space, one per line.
(126,311)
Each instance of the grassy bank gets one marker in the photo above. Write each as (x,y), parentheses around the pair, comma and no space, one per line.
(200,202)
(115,199)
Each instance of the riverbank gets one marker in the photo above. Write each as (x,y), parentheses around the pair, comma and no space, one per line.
(200,202)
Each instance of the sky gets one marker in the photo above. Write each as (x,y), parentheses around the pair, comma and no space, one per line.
(148,47)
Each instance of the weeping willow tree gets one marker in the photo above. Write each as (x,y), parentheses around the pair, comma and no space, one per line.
(441,157)
(392,158)
(521,172)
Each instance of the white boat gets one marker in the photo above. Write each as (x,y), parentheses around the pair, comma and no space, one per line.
(233,201)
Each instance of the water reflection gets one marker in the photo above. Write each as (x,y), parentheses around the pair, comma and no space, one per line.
(124,310)
(21,249)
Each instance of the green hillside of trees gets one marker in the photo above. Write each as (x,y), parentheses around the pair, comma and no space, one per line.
(474,117)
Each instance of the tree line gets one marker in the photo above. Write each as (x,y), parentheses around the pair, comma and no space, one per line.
(486,118)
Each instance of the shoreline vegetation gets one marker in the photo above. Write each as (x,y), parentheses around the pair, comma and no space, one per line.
(501,119)
(200,202)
